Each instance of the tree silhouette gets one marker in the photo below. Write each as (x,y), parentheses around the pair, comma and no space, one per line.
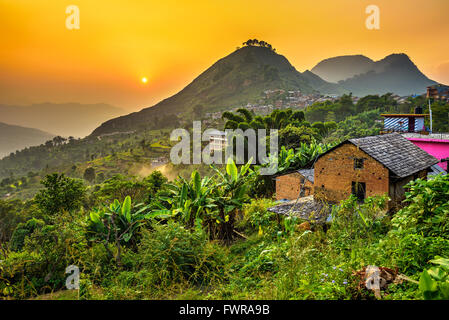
(261,43)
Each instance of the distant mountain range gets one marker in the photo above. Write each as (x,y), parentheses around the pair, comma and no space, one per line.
(343,67)
(68,119)
(244,75)
(360,75)
(13,138)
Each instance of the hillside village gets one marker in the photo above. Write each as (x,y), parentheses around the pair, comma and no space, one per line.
(281,99)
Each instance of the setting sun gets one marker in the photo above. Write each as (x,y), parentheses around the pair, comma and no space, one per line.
(144,80)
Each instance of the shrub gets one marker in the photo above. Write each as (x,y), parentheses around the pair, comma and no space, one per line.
(353,222)
(22,274)
(61,193)
(427,212)
(10,217)
(420,230)
(173,253)
(256,217)
(22,231)
(411,252)
(46,251)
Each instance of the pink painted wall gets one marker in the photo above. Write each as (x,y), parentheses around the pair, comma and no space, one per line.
(437,148)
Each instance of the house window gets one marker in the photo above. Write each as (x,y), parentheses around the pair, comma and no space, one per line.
(358,163)
(359,190)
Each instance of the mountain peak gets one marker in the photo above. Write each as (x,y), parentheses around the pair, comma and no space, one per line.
(237,79)
(342,67)
(400,60)
(242,76)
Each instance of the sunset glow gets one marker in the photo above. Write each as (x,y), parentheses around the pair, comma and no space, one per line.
(41,60)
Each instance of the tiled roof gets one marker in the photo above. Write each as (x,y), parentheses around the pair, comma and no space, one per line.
(307,173)
(399,155)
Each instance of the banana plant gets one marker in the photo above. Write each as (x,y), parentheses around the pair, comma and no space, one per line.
(210,201)
(189,200)
(289,159)
(117,223)
(232,189)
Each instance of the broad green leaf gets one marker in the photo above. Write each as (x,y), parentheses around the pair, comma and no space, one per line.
(231,169)
(126,208)
(441,261)
(437,273)
(127,236)
(426,283)
(196,181)
(95,217)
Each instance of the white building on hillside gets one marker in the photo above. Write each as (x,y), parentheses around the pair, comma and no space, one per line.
(217,140)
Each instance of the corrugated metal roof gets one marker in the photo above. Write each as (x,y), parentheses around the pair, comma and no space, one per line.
(436,169)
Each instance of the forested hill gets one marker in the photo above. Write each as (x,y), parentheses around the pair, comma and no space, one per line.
(236,79)
(14,138)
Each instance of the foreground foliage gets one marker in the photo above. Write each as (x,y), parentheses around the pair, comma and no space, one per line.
(204,238)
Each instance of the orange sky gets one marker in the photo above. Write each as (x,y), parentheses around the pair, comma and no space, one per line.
(172,41)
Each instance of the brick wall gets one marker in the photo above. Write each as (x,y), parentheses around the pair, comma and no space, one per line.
(289,186)
(334,174)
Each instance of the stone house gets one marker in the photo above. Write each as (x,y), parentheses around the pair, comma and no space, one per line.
(294,184)
(370,166)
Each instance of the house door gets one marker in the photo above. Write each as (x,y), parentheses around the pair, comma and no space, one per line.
(359,190)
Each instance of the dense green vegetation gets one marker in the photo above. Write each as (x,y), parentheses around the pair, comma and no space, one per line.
(108,155)
(207,234)
(206,238)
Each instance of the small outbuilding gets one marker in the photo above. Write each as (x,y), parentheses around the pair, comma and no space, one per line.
(295,184)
